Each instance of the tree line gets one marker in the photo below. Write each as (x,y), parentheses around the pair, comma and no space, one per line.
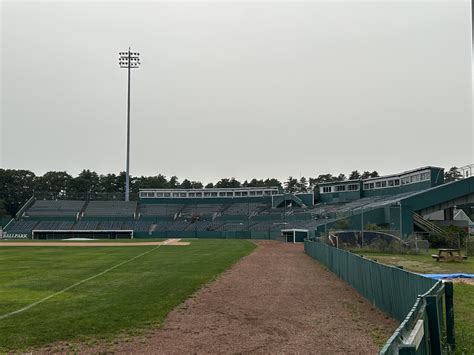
(17,186)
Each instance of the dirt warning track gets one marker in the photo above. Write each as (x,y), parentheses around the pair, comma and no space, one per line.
(91,244)
(276,300)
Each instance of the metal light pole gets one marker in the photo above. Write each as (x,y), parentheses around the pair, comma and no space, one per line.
(128,60)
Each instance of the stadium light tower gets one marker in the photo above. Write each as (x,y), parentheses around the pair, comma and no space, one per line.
(128,60)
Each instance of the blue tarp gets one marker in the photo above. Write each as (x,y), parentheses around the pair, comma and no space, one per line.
(449,276)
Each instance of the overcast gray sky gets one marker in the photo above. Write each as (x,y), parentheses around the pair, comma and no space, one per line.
(245,89)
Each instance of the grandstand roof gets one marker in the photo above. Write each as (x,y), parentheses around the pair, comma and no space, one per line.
(404,172)
(380,177)
(213,189)
(354,181)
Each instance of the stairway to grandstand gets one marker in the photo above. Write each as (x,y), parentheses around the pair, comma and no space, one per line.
(83,209)
(425,225)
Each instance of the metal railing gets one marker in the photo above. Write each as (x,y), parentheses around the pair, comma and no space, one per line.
(429,327)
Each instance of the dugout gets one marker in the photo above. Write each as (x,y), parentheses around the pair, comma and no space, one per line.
(90,234)
(295,235)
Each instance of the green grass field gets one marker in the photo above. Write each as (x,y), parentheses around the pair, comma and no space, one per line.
(127,300)
(463,294)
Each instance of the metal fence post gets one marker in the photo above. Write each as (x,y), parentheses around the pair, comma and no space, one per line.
(467,244)
(449,297)
(433,324)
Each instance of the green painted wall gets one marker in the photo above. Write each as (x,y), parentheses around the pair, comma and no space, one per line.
(398,190)
(437,177)
(346,196)
(307,198)
(210,234)
(214,234)
(338,197)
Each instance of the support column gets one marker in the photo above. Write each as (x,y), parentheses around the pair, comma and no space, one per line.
(449,214)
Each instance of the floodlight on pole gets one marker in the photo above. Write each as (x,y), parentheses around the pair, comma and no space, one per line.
(128,60)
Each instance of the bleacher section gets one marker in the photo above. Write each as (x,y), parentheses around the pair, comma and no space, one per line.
(201,209)
(178,226)
(111,225)
(86,225)
(60,208)
(140,226)
(161,210)
(232,227)
(237,216)
(198,226)
(176,217)
(244,209)
(22,226)
(160,226)
(54,225)
(130,225)
(111,209)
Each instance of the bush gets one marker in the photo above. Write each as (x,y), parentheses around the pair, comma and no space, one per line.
(372,227)
(392,246)
(342,224)
(470,245)
(440,241)
(458,234)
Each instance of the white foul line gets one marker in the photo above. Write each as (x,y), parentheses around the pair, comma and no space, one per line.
(77,284)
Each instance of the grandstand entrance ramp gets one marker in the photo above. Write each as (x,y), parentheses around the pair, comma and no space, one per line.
(294,235)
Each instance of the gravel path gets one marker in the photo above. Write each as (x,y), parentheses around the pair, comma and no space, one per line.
(276,300)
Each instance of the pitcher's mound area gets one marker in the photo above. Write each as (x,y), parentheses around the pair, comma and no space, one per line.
(276,300)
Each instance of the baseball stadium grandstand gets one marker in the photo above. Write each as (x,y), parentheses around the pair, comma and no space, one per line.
(398,203)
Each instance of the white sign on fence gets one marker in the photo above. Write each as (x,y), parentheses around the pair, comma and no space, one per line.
(14,236)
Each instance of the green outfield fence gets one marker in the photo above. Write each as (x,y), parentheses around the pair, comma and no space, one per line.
(423,306)
(270,235)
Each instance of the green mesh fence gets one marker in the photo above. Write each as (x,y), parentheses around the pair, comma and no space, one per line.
(416,301)
(390,289)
